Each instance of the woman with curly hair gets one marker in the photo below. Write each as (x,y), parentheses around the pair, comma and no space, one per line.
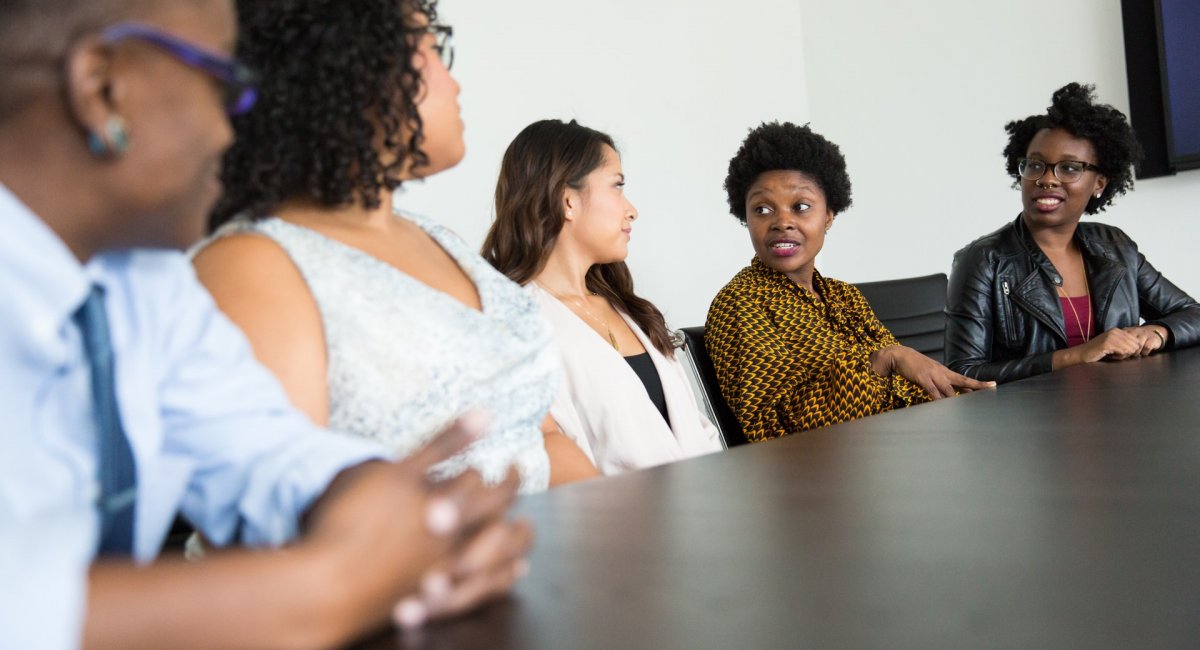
(562,229)
(378,322)
(795,350)
(1046,291)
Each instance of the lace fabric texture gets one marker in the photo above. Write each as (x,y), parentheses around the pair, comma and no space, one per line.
(405,359)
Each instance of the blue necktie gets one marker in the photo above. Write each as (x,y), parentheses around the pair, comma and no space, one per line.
(118,480)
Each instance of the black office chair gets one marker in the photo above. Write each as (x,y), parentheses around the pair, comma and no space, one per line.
(706,375)
(913,309)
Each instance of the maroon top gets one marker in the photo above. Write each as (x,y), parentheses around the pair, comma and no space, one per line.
(1079,329)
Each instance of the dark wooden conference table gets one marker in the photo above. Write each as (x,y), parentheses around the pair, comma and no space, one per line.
(1062,511)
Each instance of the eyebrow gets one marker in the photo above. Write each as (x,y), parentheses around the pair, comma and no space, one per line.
(1069,157)
(794,189)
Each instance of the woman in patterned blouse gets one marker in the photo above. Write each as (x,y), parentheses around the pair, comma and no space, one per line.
(795,350)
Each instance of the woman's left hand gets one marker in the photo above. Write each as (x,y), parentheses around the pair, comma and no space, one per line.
(1152,338)
(937,380)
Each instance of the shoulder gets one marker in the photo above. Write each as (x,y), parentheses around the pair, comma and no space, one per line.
(546,304)
(735,307)
(989,249)
(444,235)
(737,291)
(992,244)
(1104,233)
(245,259)
(844,292)
(253,280)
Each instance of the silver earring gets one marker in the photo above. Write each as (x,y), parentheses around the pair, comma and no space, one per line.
(114,142)
(1098,194)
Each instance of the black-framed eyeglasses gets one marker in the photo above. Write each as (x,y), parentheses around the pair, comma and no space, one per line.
(443,42)
(1067,171)
(239,82)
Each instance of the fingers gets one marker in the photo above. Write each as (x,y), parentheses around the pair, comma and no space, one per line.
(965,384)
(500,544)
(1124,345)
(487,568)
(1149,345)
(464,503)
(942,382)
(1116,344)
(462,432)
(1149,337)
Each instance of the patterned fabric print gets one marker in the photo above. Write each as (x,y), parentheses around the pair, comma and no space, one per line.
(788,362)
(405,359)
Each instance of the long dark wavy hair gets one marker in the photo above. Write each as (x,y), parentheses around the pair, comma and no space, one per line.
(337,79)
(544,160)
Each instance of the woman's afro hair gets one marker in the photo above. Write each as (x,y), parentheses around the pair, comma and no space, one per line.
(1074,110)
(776,146)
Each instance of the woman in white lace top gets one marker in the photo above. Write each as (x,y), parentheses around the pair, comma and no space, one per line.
(377,322)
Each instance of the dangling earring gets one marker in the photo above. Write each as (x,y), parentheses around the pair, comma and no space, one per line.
(114,142)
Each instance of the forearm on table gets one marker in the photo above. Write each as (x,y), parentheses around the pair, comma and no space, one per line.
(1065,358)
(290,598)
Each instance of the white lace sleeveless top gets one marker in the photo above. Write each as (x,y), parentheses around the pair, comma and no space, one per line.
(405,359)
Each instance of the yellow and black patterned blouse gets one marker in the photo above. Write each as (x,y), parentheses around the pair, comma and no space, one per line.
(788,361)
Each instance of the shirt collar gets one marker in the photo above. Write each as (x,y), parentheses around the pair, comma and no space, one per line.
(768,274)
(47,283)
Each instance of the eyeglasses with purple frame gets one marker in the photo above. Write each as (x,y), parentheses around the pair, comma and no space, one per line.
(239,81)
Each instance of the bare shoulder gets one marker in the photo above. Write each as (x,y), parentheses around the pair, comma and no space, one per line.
(244,259)
(252,279)
(254,282)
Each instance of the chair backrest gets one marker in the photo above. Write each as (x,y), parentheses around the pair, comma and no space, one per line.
(706,376)
(913,309)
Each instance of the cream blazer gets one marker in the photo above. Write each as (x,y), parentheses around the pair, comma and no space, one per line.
(603,406)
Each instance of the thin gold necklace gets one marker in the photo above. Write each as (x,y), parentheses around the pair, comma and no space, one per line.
(582,306)
(1087,292)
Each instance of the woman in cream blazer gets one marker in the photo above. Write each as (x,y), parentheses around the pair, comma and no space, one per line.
(562,229)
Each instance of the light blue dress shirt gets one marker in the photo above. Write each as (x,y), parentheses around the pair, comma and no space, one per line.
(213,433)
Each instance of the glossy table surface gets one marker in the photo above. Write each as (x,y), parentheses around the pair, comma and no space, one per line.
(1062,511)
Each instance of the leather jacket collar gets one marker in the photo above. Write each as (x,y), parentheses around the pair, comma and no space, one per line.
(1038,292)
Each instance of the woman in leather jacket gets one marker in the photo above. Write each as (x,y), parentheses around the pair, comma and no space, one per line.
(1047,292)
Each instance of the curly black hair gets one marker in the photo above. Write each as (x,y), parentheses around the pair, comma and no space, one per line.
(337,79)
(1073,109)
(775,146)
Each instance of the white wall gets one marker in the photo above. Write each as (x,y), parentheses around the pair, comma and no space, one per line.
(916,94)
(676,83)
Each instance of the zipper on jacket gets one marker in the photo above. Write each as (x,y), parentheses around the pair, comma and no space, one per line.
(1009,326)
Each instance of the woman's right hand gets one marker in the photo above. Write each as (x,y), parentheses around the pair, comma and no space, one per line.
(389,535)
(1115,344)
(937,380)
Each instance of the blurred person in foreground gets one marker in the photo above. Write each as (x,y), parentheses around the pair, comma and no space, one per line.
(128,397)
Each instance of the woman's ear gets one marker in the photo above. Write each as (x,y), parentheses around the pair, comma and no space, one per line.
(1101,183)
(88,89)
(828,220)
(571,201)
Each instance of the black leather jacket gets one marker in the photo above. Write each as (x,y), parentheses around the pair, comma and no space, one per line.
(1003,317)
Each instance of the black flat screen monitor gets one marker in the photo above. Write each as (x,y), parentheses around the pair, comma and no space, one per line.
(1179,58)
